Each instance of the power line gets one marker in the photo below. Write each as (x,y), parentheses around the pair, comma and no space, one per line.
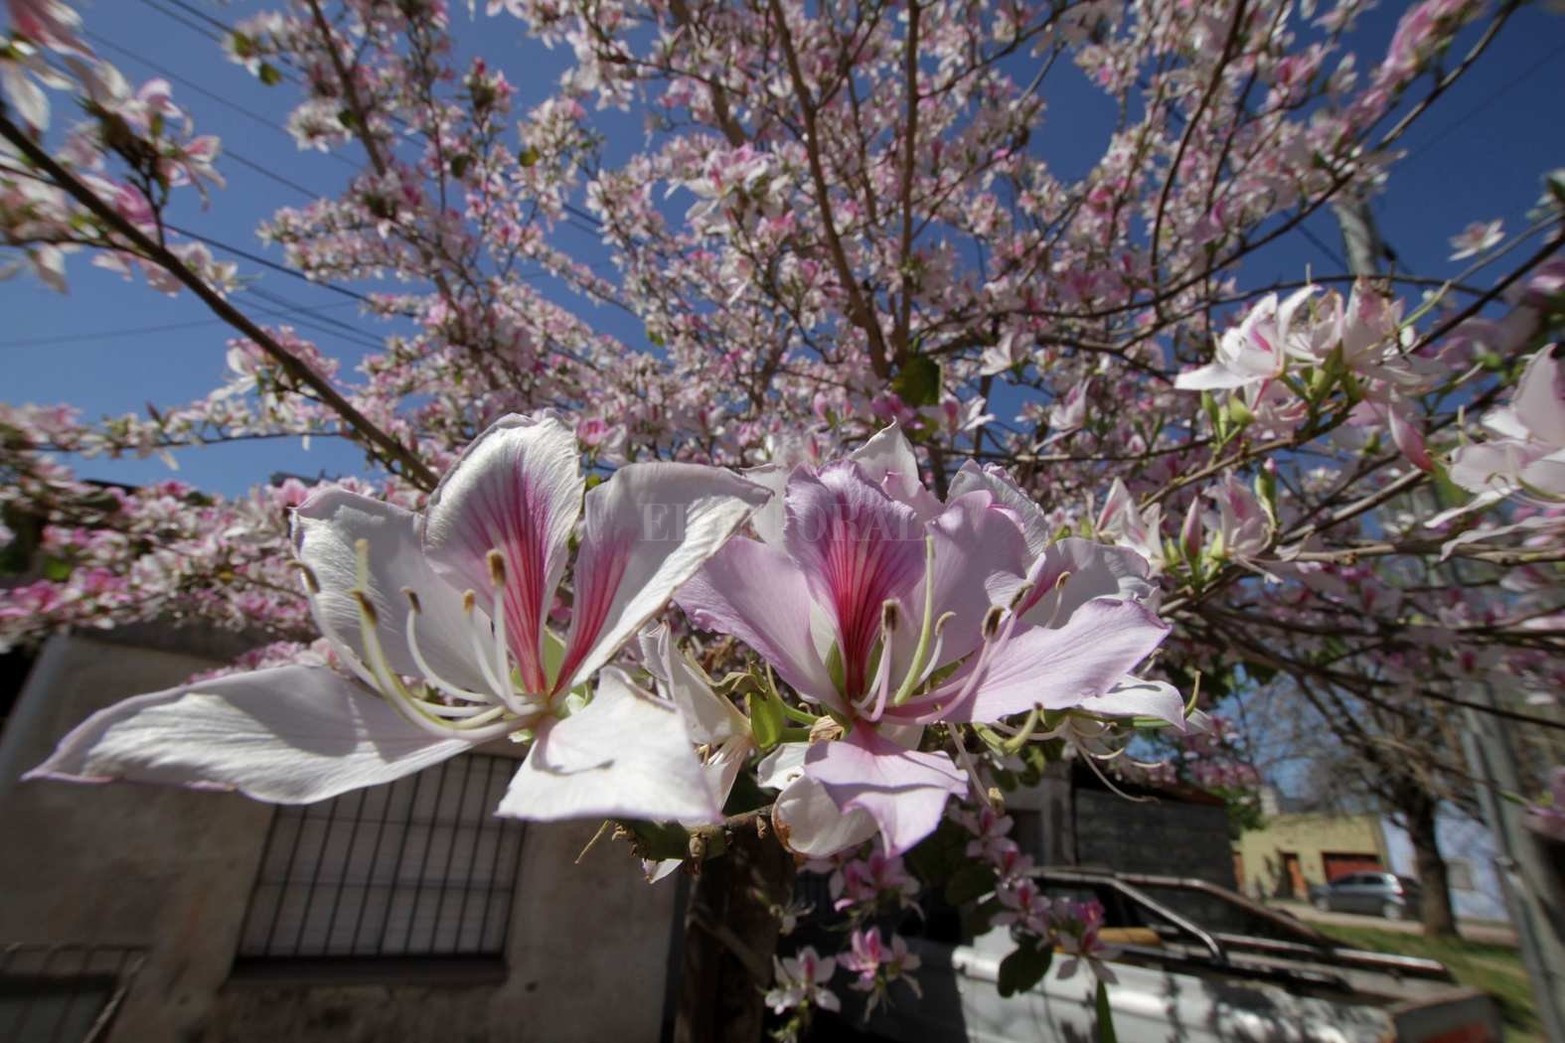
(185,81)
(219,26)
(271,175)
(267,262)
(591,221)
(1335,257)
(582,217)
(240,158)
(1489,99)
(75,338)
(324,324)
(292,319)
(187,23)
(205,16)
(133,331)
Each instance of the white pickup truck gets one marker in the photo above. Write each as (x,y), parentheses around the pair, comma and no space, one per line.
(1196,963)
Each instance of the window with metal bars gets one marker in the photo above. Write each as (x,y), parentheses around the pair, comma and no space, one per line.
(63,993)
(417,868)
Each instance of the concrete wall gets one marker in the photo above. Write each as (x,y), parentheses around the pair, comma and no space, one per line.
(1153,836)
(171,871)
(1463,841)
(1062,822)
(1308,836)
(587,955)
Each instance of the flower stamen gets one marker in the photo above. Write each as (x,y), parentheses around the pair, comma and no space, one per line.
(435,679)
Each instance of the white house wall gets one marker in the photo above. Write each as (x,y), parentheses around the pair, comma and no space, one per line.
(171,871)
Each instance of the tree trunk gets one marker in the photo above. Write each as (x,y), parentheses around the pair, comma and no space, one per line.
(730,936)
(1433,879)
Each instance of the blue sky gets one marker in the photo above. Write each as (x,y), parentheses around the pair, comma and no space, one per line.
(111,346)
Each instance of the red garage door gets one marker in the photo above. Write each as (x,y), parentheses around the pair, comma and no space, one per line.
(1337,863)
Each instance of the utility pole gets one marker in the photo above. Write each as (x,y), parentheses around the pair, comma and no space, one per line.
(1361,240)
(1532,887)
(1534,891)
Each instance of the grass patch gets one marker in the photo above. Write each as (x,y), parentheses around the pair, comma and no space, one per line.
(1495,969)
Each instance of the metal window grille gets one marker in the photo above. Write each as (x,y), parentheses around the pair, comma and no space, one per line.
(63,993)
(416,868)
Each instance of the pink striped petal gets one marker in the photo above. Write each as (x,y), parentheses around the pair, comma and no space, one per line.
(976,548)
(755,593)
(289,735)
(648,530)
(903,790)
(516,489)
(626,755)
(857,548)
(1072,572)
(1057,668)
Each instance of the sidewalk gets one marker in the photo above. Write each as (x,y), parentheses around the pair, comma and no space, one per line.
(1482,931)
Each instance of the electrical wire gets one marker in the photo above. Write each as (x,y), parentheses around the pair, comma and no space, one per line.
(185,81)
(267,262)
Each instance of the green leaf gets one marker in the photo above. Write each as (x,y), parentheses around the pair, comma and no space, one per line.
(981,918)
(269,74)
(917,382)
(1024,968)
(1263,673)
(766,720)
(529,156)
(940,855)
(836,669)
(1555,179)
(660,840)
(57,570)
(969,883)
(1105,1015)
(746,795)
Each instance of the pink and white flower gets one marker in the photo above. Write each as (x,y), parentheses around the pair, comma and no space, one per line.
(1256,350)
(894,611)
(800,981)
(441,620)
(878,963)
(1527,447)
(1476,238)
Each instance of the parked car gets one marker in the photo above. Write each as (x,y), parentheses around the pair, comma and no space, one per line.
(1196,963)
(1372,894)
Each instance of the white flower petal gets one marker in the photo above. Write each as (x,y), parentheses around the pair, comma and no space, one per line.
(289,735)
(809,822)
(626,755)
(326,530)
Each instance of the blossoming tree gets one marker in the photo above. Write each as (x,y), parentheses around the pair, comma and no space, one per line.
(934,461)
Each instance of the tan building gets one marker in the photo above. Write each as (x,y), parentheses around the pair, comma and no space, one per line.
(1294,851)
(134,914)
